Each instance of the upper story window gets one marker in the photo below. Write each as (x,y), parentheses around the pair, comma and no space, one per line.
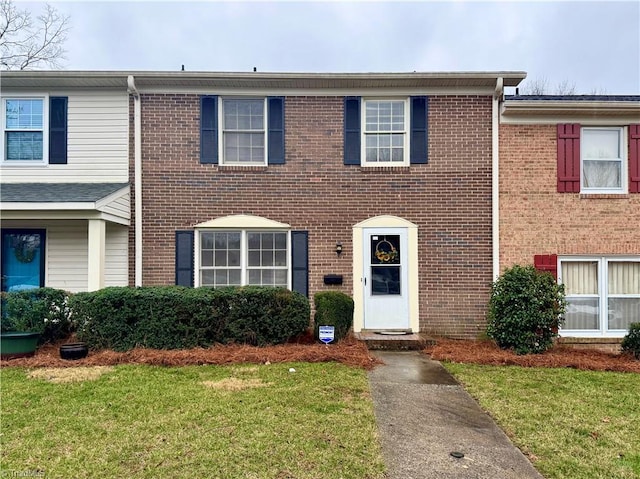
(385,131)
(24,130)
(598,159)
(603,157)
(243,131)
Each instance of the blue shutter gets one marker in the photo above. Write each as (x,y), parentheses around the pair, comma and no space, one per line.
(275,125)
(58,130)
(419,130)
(184,258)
(300,262)
(352,130)
(209,129)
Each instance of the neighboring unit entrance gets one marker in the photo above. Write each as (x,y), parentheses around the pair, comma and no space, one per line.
(385,279)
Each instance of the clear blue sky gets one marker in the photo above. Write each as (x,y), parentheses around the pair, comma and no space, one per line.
(594,46)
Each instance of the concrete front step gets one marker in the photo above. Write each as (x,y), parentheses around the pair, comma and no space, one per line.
(384,340)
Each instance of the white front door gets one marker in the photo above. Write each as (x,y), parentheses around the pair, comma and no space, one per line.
(385,279)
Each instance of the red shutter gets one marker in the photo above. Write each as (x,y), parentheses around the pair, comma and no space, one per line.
(546,262)
(634,158)
(569,158)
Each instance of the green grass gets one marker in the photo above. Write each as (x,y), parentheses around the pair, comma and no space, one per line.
(149,422)
(573,424)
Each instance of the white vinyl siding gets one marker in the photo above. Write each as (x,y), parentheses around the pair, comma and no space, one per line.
(116,255)
(66,263)
(98,142)
(121,207)
(66,255)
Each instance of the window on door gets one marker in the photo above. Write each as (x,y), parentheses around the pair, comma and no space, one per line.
(22,259)
(385,265)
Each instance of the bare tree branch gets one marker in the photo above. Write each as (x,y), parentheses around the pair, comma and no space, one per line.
(566,88)
(26,43)
(538,86)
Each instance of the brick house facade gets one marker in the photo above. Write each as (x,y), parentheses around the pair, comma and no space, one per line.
(572,208)
(432,214)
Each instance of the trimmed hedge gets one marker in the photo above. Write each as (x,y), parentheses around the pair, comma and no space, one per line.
(333,308)
(525,310)
(40,310)
(175,317)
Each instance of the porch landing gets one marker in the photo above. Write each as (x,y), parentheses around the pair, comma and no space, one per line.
(386,340)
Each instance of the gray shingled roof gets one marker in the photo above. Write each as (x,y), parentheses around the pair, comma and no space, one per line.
(57,192)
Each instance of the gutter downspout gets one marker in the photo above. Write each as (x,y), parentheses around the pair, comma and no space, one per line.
(137,178)
(495,177)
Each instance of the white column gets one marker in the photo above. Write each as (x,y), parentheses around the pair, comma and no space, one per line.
(97,242)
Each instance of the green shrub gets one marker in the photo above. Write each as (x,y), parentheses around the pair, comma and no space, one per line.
(264,315)
(41,310)
(333,308)
(631,342)
(525,310)
(174,317)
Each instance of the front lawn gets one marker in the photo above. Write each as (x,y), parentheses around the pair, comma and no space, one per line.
(572,424)
(245,421)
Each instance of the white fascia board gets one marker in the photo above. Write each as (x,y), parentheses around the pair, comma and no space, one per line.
(60,214)
(588,112)
(47,206)
(383,92)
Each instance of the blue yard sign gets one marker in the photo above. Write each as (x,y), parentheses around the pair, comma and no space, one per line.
(326,334)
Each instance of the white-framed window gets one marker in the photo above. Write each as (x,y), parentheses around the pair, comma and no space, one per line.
(25,130)
(243,134)
(385,132)
(603,157)
(603,295)
(243,257)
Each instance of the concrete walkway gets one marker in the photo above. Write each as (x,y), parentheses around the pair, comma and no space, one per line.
(424,415)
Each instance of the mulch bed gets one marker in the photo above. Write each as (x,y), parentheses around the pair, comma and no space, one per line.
(486,352)
(348,351)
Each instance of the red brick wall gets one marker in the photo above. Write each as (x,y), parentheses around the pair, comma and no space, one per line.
(449,198)
(535,219)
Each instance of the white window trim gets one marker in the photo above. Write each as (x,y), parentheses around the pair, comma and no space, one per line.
(624,186)
(603,295)
(406,132)
(221,130)
(45,130)
(244,251)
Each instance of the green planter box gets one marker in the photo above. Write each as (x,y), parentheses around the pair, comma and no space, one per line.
(18,345)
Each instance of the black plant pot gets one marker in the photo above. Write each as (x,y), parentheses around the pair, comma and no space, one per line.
(74,351)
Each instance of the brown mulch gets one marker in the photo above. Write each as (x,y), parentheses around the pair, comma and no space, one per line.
(348,351)
(486,352)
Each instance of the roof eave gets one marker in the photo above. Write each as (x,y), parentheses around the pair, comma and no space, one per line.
(587,113)
(159,79)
